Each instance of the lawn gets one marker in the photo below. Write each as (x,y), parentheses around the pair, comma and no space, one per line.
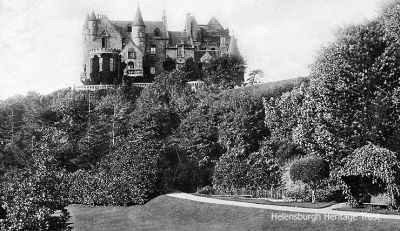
(167,213)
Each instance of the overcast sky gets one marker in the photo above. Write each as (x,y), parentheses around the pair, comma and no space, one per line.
(41,50)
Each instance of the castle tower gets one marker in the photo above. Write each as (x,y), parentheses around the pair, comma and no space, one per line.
(233,49)
(92,24)
(138,30)
(196,32)
(164,19)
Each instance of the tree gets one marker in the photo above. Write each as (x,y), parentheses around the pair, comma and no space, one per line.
(191,70)
(310,170)
(351,98)
(255,77)
(169,64)
(371,170)
(225,72)
(31,196)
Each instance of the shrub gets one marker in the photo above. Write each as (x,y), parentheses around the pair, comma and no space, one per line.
(208,190)
(310,170)
(371,170)
(294,189)
(127,176)
(31,197)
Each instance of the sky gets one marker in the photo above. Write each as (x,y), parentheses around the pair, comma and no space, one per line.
(41,40)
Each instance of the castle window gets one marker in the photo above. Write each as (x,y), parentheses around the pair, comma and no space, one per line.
(100,64)
(157,32)
(111,64)
(129,28)
(131,66)
(131,54)
(181,51)
(153,49)
(103,42)
(123,42)
(152,70)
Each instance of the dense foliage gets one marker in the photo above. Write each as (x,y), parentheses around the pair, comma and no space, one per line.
(32,196)
(311,171)
(372,170)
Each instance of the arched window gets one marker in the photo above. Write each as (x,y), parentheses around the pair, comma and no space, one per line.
(157,32)
(129,28)
(111,64)
(131,65)
(103,42)
(123,42)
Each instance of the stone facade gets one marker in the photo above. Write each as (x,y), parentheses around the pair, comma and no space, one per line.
(134,51)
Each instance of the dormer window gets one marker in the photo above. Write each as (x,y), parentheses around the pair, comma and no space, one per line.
(129,29)
(181,51)
(103,42)
(153,49)
(157,32)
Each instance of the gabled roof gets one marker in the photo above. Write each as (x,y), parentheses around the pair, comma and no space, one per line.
(213,24)
(122,27)
(128,46)
(178,38)
(138,21)
(199,54)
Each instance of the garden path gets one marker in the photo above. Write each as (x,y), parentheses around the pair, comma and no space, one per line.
(328,210)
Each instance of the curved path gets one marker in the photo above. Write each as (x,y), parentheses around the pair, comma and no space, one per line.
(328,210)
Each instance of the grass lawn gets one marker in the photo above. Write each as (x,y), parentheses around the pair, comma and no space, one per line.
(310,205)
(167,213)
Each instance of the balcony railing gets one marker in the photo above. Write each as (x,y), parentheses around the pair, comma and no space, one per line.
(134,73)
(142,85)
(193,84)
(93,87)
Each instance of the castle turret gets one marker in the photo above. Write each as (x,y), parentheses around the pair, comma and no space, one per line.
(164,19)
(86,23)
(233,49)
(92,24)
(138,29)
(195,30)
(188,25)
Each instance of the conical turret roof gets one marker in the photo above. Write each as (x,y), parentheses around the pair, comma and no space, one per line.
(195,25)
(233,49)
(92,16)
(138,21)
(86,23)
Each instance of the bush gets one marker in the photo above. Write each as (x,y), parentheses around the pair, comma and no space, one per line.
(294,189)
(127,176)
(311,171)
(31,197)
(208,190)
(371,169)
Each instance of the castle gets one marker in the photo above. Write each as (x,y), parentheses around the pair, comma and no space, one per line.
(134,51)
